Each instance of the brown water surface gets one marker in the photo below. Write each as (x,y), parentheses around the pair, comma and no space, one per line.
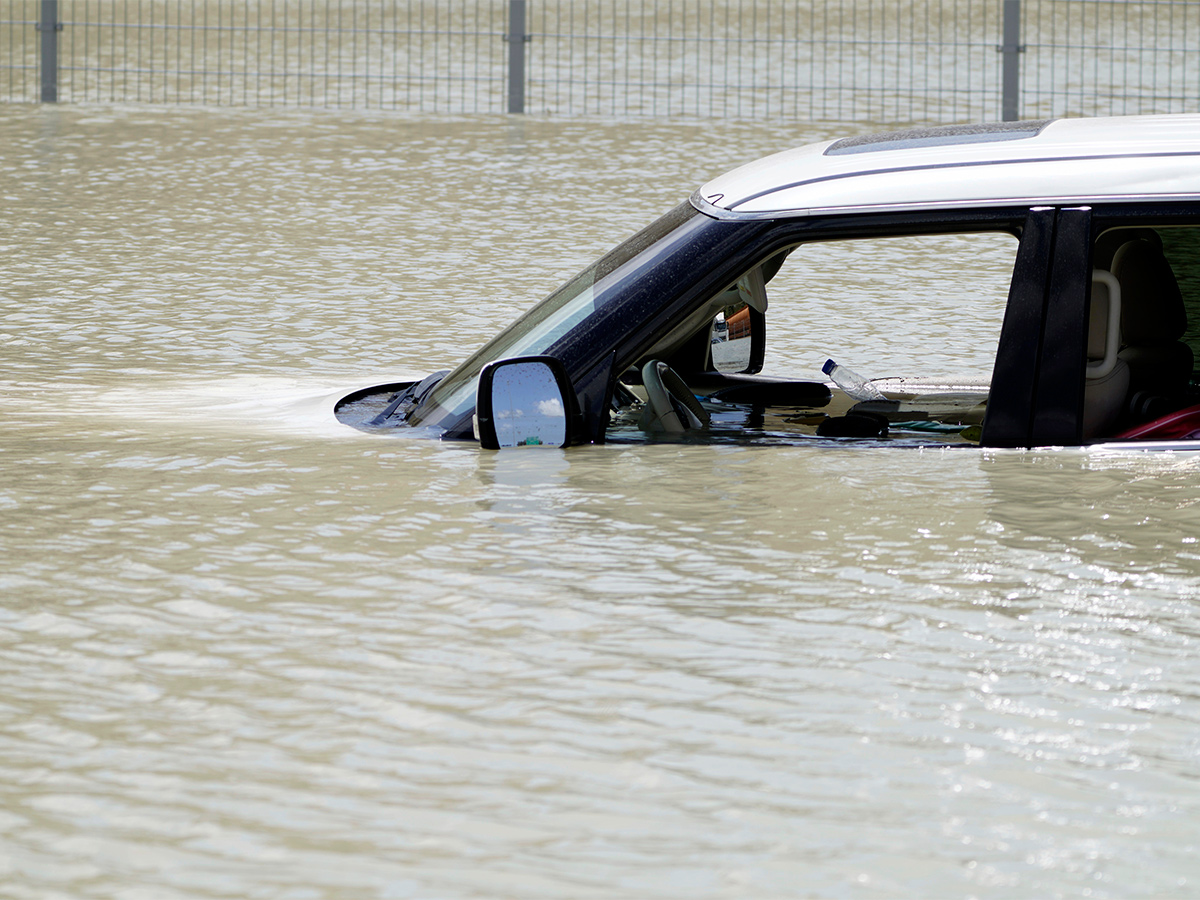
(248,652)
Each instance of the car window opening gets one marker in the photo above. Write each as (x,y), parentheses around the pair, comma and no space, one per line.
(854,300)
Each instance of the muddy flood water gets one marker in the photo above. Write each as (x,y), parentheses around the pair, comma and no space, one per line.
(247,652)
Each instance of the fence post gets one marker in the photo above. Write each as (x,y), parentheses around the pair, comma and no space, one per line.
(1010,103)
(49,26)
(516,56)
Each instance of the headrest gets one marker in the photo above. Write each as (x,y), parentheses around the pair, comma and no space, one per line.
(1151,305)
(1098,319)
(1103,324)
(1111,241)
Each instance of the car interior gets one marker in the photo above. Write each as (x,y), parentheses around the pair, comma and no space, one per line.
(1150,380)
(703,380)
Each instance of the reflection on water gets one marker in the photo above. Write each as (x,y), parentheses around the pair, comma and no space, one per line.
(249,652)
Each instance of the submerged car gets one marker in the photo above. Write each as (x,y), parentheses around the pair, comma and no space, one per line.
(1089,228)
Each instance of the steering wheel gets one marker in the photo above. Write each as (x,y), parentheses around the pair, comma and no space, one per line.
(672,405)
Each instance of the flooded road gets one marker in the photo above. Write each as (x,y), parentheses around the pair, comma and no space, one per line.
(249,652)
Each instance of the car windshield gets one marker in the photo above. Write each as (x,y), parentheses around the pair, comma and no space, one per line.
(543,326)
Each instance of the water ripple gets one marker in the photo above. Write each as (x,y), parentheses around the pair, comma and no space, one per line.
(251,653)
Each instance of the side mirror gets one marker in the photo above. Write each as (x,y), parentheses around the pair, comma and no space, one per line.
(523,402)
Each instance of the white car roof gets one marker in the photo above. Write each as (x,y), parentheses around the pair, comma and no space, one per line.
(1120,159)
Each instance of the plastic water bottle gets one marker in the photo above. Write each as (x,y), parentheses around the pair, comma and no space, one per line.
(851,382)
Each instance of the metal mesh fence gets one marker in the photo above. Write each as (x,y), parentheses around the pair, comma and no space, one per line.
(862,60)
(872,60)
(438,55)
(1110,57)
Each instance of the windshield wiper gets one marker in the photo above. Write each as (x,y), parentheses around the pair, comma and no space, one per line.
(409,399)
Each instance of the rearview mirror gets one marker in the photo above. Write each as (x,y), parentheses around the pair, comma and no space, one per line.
(737,337)
(523,402)
(730,339)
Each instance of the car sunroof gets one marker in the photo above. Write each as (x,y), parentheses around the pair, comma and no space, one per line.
(937,136)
